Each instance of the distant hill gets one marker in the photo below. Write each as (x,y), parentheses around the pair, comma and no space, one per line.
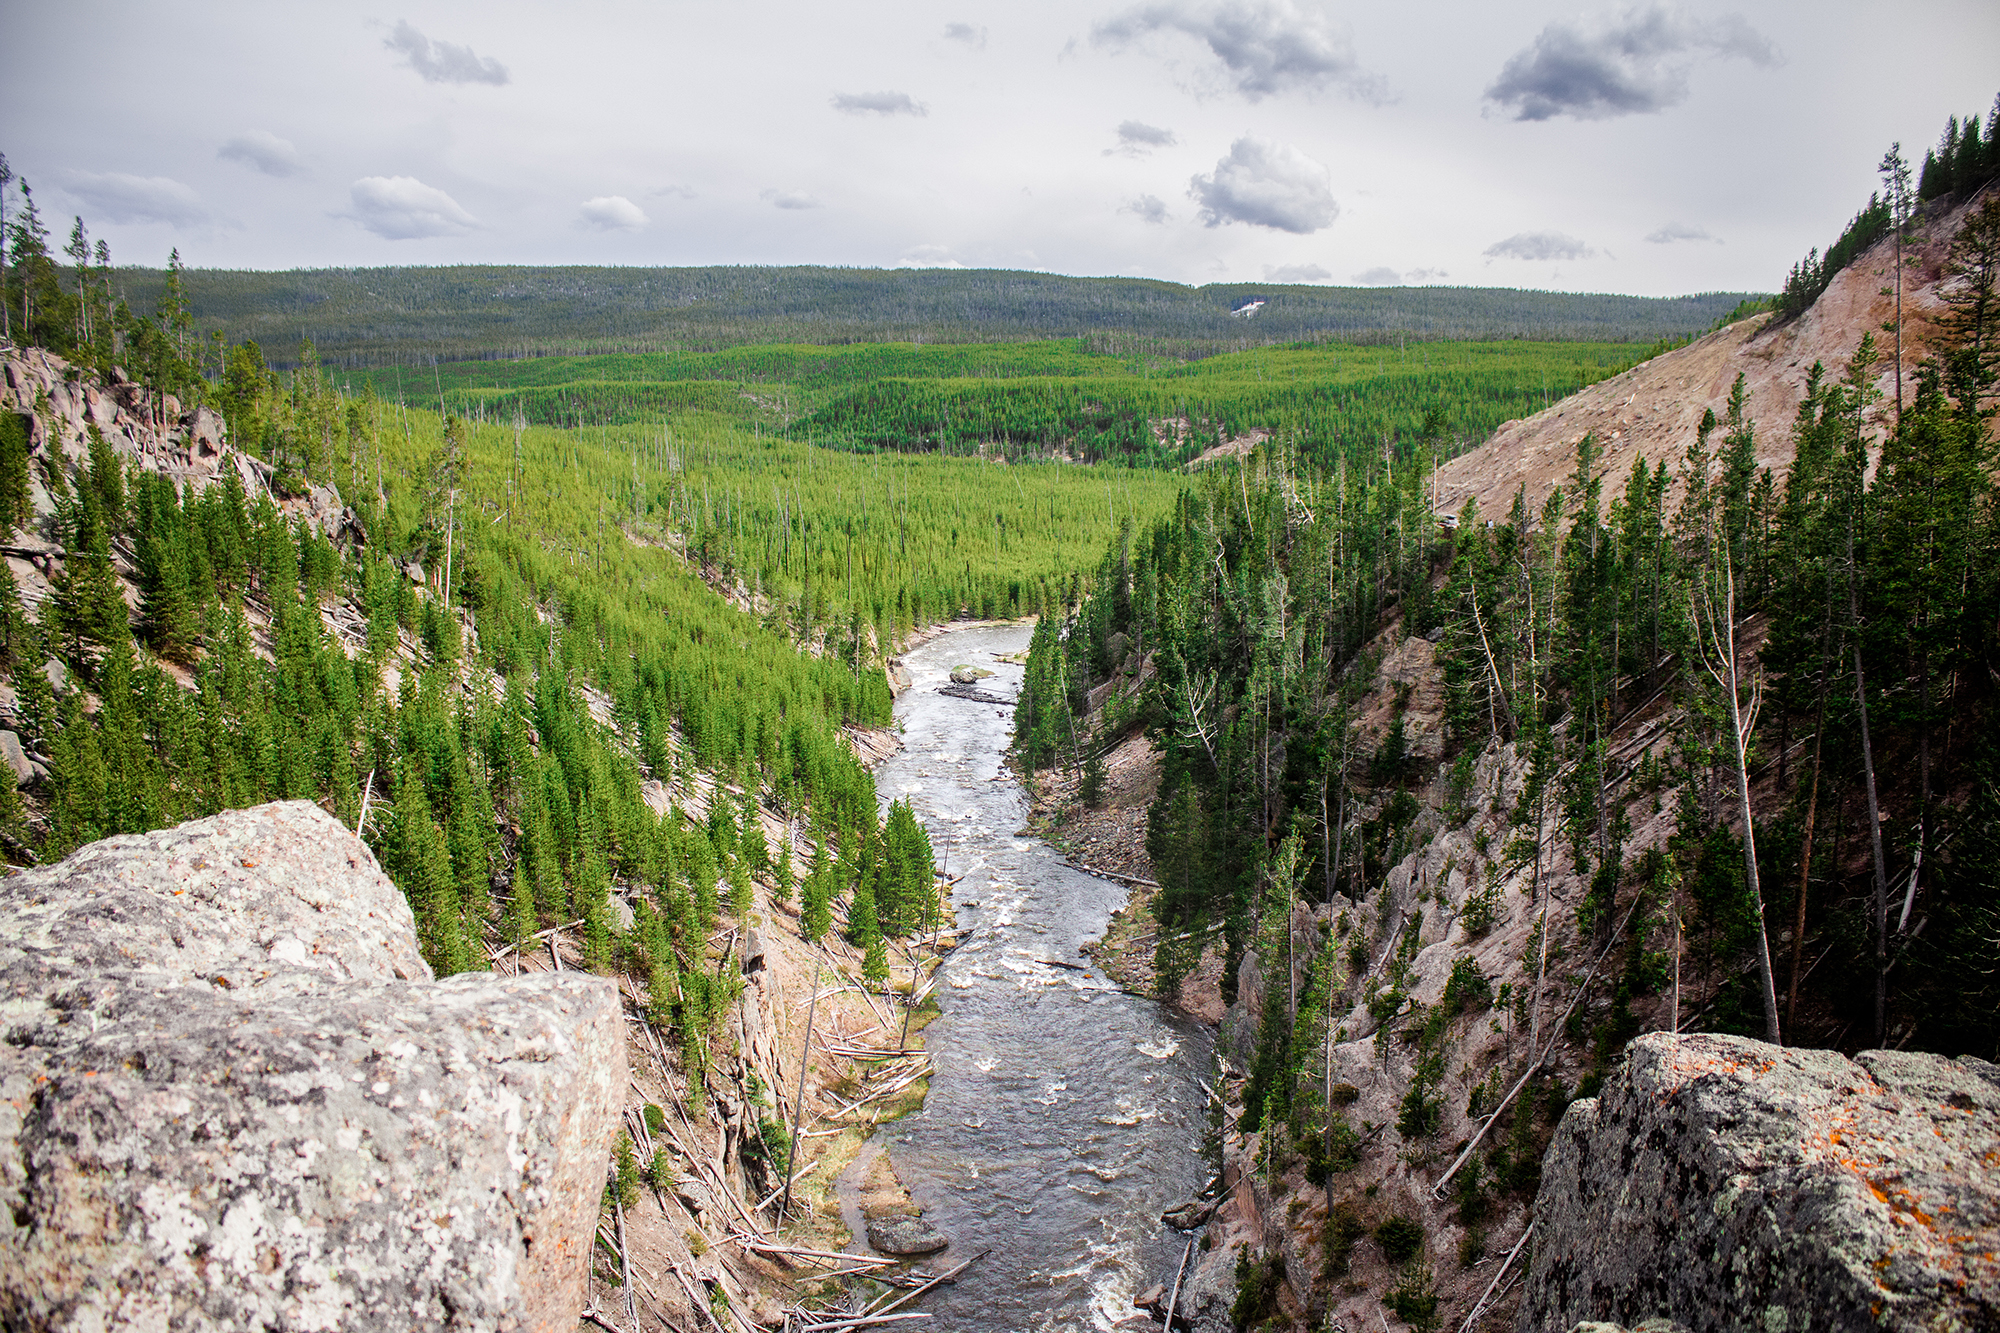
(389,316)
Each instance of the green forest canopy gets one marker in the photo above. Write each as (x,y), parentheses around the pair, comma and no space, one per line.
(410,316)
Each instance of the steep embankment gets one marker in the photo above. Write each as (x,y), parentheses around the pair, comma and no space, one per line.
(1448,1001)
(1652,410)
(707,1115)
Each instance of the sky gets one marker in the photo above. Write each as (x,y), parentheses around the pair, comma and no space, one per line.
(1654,149)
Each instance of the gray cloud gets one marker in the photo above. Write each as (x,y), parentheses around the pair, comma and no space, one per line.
(974,37)
(789,199)
(1295,273)
(1266,184)
(671,192)
(1149,208)
(1265,46)
(260,150)
(611,212)
(1136,139)
(1634,64)
(123,198)
(879,104)
(403,208)
(1417,275)
(1379,276)
(442,62)
(1681,231)
(1539,245)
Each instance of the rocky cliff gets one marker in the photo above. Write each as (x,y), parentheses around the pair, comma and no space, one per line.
(232,1096)
(1726,1185)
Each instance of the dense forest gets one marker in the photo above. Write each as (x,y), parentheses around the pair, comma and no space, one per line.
(512,655)
(1041,399)
(1826,636)
(411,317)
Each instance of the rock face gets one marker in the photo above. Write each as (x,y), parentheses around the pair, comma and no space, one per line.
(1726,1184)
(232,1096)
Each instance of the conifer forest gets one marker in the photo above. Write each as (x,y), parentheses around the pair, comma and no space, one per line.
(582,593)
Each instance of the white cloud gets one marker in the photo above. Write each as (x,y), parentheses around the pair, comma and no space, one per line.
(928,256)
(1681,231)
(1634,64)
(1136,139)
(123,198)
(403,208)
(1295,273)
(789,199)
(1148,208)
(973,36)
(1379,276)
(442,62)
(1266,184)
(879,104)
(1264,46)
(1421,275)
(612,212)
(1539,245)
(260,150)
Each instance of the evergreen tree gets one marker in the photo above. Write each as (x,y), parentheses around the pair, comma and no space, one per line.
(816,915)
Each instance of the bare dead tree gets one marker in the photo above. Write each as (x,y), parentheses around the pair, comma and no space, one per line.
(1712,607)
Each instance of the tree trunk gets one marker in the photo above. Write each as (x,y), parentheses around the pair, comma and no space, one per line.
(1805,863)
(1881,871)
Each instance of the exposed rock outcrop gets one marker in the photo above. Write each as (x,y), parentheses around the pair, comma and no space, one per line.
(233,1096)
(1652,410)
(1726,1184)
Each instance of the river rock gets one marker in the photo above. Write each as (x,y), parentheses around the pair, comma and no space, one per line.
(1189,1215)
(232,1095)
(1726,1184)
(967,675)
(904,1236)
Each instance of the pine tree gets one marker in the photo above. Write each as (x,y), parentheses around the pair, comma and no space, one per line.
(816,916)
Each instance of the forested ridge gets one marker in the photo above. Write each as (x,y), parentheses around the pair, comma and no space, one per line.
(1712,749)
(1861,587)
(553,674)
(411,317)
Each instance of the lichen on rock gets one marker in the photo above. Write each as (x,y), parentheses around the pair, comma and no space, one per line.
(232,1095)
(1727,1184)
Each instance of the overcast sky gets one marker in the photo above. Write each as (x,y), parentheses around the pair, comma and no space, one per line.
(1654,149)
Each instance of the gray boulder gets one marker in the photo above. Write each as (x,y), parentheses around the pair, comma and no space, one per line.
(1725,1184)
(16,758)
(904,1236)
(233,1096)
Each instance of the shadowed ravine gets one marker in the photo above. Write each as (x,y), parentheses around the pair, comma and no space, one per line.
(1065,1115)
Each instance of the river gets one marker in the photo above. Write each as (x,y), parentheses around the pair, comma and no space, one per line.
(1064,1115)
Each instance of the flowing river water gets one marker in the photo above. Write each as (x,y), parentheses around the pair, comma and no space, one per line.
(1065,1115)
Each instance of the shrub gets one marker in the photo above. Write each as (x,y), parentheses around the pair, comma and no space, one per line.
(1257,1283)
(1467,988)
(1400,1238)
(1415,1298)
(1342,1230)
